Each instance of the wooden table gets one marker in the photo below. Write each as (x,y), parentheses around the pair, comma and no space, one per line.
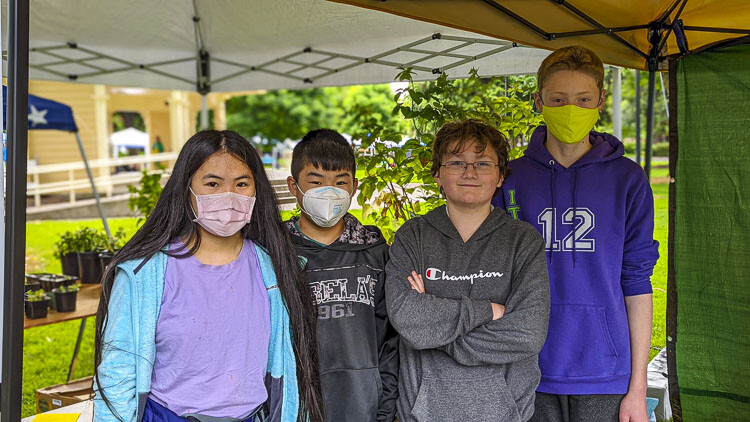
(87,303)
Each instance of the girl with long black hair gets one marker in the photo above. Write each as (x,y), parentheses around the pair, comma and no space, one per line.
(205,313)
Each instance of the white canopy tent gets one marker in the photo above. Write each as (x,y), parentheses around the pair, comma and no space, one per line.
(130,138)
(238,45)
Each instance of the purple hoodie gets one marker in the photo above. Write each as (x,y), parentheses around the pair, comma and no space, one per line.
(607,199)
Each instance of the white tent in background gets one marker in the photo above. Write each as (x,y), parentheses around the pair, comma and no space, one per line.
(130,138)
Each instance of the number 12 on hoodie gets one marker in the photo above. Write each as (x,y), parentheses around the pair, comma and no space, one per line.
(584,221)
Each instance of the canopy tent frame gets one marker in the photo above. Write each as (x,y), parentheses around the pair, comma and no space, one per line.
(203,80)
(15,235)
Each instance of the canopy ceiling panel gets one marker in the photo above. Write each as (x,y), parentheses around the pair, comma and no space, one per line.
(261,44)
(552,24)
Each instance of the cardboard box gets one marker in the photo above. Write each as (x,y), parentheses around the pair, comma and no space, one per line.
(61,395)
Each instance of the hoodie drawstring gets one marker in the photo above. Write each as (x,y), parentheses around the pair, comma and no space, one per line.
(575,188)
(552,195)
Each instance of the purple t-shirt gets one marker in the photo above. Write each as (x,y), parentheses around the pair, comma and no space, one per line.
(212,337)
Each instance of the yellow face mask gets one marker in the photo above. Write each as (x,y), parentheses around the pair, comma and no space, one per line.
(570,123)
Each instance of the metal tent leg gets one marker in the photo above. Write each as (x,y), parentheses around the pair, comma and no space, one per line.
(15,234)
(74,360)
(650,121)
(93,186)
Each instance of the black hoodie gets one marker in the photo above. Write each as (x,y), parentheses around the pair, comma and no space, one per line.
(357,345)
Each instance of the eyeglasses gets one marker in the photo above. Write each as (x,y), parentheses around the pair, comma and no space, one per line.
(459,167)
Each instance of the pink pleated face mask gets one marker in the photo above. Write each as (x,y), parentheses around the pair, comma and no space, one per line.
(223,214)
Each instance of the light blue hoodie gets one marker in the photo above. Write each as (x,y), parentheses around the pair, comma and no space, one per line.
(129,343)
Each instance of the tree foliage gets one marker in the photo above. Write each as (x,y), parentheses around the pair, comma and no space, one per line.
(398,184)
(285,114)
(143,197)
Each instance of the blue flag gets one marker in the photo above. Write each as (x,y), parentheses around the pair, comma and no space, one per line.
(45,114)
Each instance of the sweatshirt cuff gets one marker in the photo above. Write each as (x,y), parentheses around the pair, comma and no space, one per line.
(642,288)
(482,311)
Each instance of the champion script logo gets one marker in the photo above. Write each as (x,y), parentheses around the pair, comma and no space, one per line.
(437,274)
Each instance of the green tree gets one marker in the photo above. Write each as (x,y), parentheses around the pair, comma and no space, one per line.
(125,119)
(398,183)
(285,114)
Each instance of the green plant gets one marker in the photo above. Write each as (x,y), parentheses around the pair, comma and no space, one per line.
(36,296)
(398,184)
(118,240)
(69,289)
(67,243)
(88,239)
(144,196)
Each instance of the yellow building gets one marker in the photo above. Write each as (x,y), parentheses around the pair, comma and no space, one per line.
(171,115)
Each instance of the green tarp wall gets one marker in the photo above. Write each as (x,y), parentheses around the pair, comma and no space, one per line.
(712,235)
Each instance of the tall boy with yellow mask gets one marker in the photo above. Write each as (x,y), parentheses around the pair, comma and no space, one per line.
(594,208)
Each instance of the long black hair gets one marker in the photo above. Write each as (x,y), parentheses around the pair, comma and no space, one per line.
(172,220)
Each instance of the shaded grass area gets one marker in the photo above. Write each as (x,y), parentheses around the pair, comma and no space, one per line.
(47,350)
(659,279)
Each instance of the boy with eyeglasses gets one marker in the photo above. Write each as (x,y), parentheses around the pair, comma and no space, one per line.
(467,290)
(595,209)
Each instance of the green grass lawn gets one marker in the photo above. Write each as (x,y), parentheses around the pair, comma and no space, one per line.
(47,350)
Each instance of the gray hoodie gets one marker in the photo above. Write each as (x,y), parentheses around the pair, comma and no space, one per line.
(456,363)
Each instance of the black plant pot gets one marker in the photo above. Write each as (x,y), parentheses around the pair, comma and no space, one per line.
(89,267)
(32,282)
(35,278)
(69,264)
(65,302)
(35,310)
(53,281)
(104,259)
(31,286)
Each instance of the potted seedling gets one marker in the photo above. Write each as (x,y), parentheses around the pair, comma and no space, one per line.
(89,245)
(67,246)
(35,304)
(53,281)
(50,282)
(111,247)
(65,297)
(32,282)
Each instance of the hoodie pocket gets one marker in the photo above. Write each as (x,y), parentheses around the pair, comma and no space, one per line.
(351,394)
(485,399)
(578,344)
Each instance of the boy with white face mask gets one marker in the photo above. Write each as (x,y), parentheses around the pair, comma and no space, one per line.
(358,347)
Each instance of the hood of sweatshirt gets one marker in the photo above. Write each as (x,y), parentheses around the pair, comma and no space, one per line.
(605,148)
(355,237)
(441,222)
